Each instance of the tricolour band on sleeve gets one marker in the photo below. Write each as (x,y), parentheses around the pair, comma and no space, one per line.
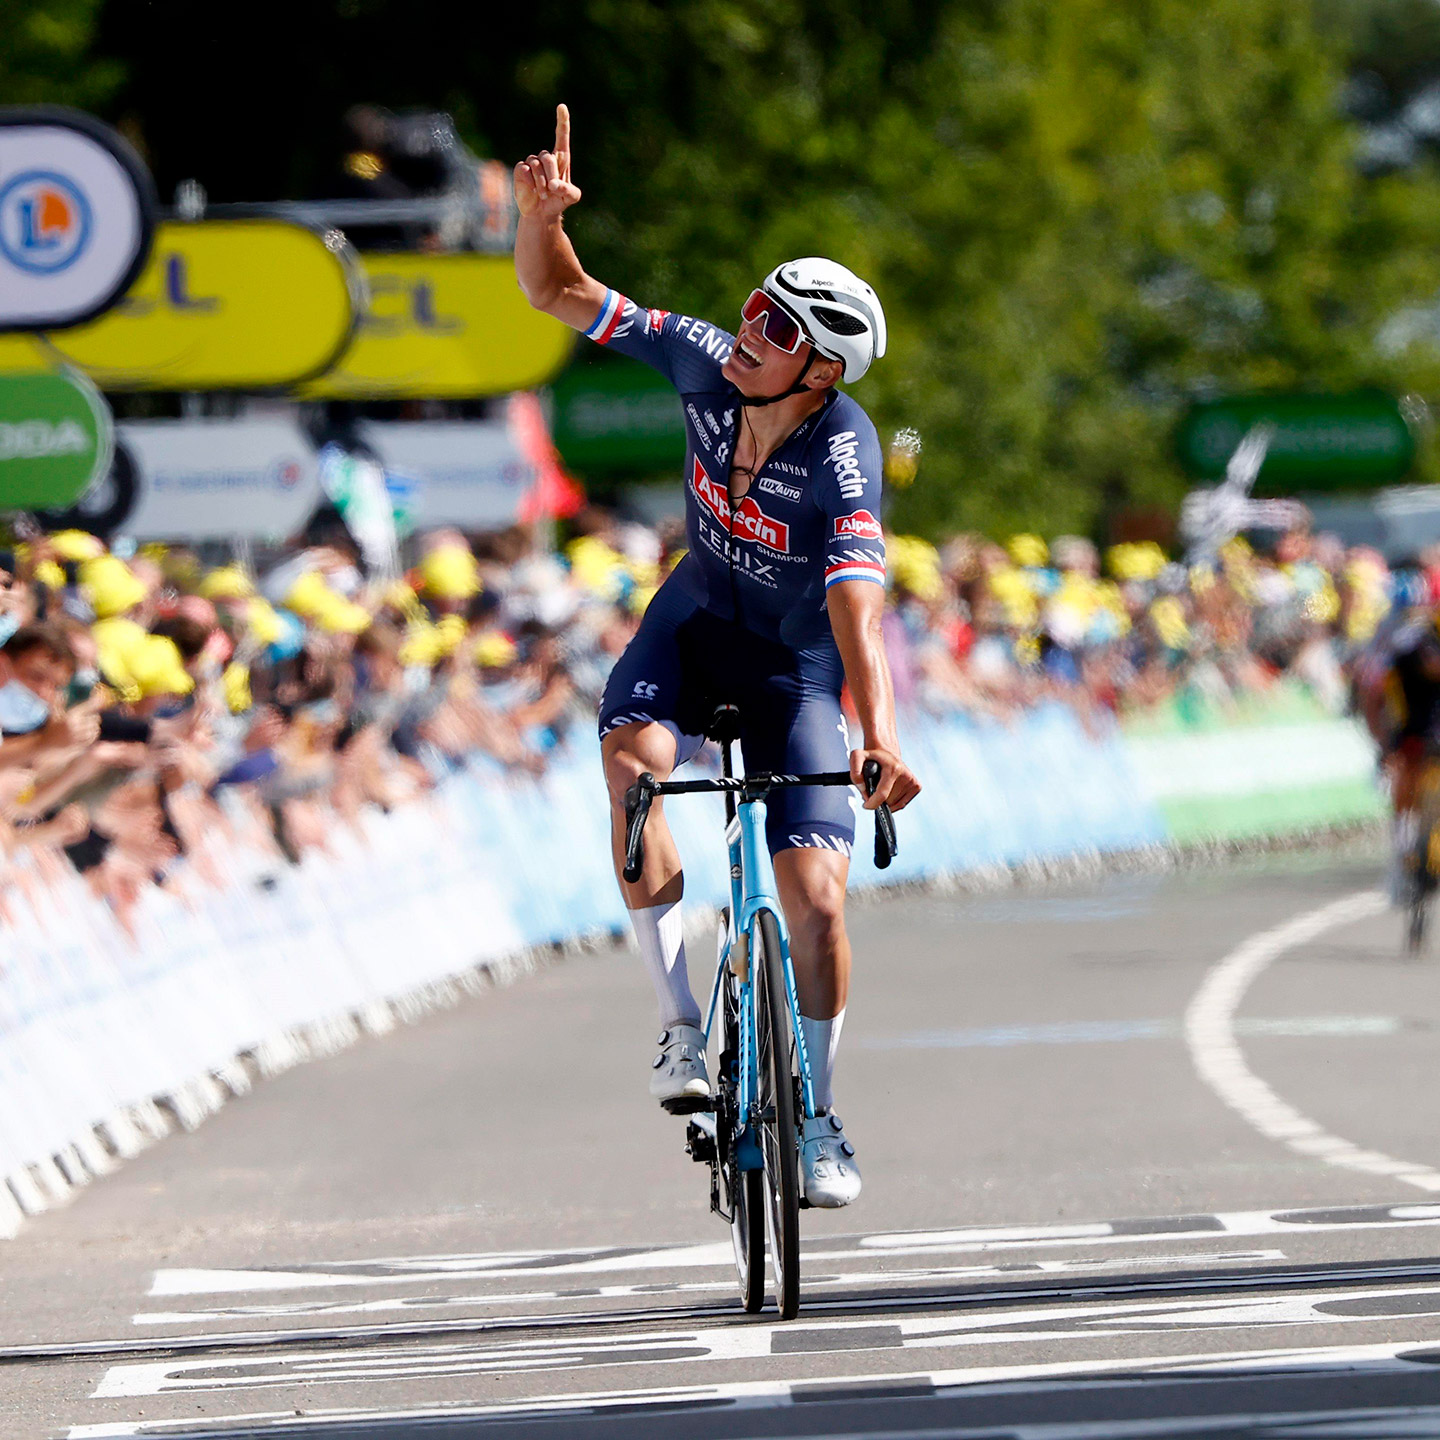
(854,570)
(608,318)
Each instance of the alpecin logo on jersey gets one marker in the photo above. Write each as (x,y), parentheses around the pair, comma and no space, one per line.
(750,521)
(844,456)
(861,525)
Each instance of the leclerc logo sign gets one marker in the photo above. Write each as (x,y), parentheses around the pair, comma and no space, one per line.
(76,218)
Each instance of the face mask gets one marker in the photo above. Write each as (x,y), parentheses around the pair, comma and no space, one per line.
(9,624)
(21,709)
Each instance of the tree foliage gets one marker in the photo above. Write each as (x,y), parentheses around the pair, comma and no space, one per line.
(46,54)
(1078,216)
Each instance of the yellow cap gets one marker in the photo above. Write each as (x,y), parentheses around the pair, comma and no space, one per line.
(1027,549)
(229,582)
(236,683)
(158,669)
(494,649)
(450,572)
(76,545)
(110,585)
(264,622)
(49,574)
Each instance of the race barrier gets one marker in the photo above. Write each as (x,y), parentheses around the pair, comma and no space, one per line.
(109,1039)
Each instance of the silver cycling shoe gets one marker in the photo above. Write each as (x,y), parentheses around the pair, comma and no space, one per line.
(679,1080)
(827,1163)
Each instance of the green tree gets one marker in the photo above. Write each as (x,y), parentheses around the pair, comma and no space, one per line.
(46,54)
(1078,216)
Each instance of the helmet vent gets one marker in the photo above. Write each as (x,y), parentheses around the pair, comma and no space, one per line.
(838,322)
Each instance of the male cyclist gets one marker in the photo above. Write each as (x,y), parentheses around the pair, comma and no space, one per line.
(777,601)
(1399,685)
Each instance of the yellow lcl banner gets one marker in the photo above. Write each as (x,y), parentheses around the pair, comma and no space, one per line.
(225,305)
(444,327)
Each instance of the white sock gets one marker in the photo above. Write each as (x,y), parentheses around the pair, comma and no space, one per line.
(660,931)
(822,1040)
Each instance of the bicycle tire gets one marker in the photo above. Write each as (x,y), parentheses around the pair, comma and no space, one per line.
(777,1072)
(1422,891)
(744,1189)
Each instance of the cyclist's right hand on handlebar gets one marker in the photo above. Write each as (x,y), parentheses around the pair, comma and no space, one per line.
(897,785)
(543,187)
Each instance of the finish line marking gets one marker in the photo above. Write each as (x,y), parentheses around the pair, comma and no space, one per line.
(1210,1035)
(995,1380)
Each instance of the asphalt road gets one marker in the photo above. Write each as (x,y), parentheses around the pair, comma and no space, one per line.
(1095,1205)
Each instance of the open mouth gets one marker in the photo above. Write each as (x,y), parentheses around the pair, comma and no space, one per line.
(746,355)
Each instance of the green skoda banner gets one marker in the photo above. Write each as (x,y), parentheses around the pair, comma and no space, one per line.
(618,417)
(1357,441)
(56,439)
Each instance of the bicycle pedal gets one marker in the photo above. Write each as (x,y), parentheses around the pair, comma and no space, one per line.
(804,1203)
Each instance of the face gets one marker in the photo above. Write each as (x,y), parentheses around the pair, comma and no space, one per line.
(41,672)
(756,367)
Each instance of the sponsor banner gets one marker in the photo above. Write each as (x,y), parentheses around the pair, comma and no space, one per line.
(445,327)
(56,438)
(225,305)
(77,215)
(219,479)
(612,416)
(1273,765)
(470,473)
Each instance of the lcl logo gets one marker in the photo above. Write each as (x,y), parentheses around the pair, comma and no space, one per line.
(45,222)
(408,305)
(175,293)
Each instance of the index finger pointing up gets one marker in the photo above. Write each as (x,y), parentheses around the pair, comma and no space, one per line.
(562,136)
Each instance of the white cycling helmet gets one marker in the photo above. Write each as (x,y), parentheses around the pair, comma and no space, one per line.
(839,312)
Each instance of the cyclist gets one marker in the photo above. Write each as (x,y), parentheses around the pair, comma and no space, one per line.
(777,601)
(1399,685)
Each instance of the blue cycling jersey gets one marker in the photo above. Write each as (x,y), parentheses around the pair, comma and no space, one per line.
(811,517)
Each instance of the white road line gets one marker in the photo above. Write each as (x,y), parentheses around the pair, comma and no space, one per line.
(1147,1371)
(1210,1034)
(407,1304)
(974,1239)
(1063,1323)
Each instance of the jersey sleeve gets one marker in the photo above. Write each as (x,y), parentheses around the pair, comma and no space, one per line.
(849,460)
(686,351)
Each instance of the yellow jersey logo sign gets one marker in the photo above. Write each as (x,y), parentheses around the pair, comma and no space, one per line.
(225,305)
(445,327)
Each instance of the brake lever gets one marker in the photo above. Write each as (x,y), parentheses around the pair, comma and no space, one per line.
(887,845)
(637,810)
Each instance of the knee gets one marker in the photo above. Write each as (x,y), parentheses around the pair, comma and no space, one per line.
(626,758)
(819,914)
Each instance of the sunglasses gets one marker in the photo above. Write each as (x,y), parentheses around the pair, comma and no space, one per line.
(781,328)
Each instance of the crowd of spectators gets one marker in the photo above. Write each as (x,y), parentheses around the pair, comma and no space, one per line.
(153,708)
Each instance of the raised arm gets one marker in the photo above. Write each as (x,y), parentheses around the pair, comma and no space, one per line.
(855,608)
(545,263)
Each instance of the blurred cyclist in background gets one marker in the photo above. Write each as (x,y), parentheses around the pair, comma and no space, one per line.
(777,602)
(1399,691)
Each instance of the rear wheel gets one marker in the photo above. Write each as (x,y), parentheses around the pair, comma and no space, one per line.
(744,1189)
(778,1072)
(1422,882)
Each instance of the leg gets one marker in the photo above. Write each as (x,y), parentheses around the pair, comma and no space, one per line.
(628,751)
(812,891)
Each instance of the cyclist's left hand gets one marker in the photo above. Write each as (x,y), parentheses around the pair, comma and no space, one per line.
(897,786)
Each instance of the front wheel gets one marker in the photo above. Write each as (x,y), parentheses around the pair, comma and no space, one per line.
(777,1075)
(745,1189)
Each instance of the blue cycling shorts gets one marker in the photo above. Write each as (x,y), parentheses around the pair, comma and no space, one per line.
(684,661)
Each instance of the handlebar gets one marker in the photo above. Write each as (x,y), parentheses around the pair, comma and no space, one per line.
(640,796)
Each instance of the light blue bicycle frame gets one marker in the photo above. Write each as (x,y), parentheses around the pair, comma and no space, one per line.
(752,892)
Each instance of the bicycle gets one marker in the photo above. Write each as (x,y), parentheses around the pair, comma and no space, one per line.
(749,1134)
(1424,859)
